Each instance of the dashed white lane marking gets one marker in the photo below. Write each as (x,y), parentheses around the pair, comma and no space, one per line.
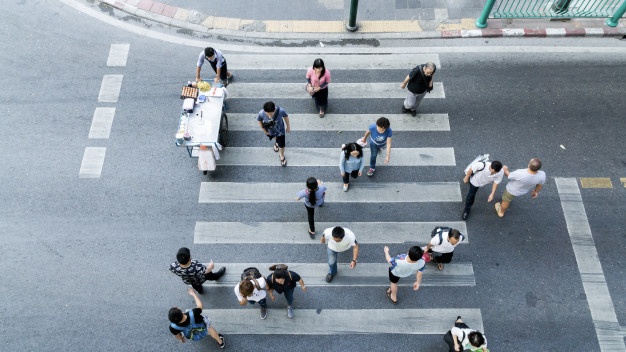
(599,299)
(346,122)
(295,232)
(361,192)
(110,88)
(363,90)
(101,123)
(93,159)
(344,321)
(118,54)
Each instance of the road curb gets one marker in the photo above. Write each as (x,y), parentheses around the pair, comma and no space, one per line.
(201,21)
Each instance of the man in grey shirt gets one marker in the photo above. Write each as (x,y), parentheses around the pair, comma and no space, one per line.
(521,182)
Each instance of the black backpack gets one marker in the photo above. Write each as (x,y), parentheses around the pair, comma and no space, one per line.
(438,231)
(252,274)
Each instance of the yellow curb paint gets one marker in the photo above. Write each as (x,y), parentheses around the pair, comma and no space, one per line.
(389,26)
(468,23)
(623,181)
(595,182)
(181,15)
(449,26)
(226,23)
(209,22)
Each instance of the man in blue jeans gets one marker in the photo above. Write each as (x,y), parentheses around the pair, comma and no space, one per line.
(380,137)
(339,240)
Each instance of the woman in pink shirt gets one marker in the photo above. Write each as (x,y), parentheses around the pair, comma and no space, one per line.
(318,78)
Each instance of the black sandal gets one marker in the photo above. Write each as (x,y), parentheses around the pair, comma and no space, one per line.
(276,147)
(283,162)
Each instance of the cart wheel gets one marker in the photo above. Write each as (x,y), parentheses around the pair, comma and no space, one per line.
(222,137)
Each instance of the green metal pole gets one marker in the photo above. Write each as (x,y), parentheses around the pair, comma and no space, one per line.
(351,26)
(481,22)
(612,22)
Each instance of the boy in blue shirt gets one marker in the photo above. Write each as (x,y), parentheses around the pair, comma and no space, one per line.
(380,137)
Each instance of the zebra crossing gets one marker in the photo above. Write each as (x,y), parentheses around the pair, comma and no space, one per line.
(279,233)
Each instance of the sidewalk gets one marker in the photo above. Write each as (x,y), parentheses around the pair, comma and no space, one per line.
(375,18)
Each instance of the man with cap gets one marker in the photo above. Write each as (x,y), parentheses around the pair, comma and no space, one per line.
(192,272)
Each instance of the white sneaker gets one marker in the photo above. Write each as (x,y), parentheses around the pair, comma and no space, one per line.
(290,312)
(345,188)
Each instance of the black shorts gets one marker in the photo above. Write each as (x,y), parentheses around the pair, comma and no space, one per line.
(223,69)
(394,279)
(280,140)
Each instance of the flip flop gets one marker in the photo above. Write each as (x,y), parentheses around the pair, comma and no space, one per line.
(440,266)
(283,162)
(389,296)
(497,206)
(311,234)
(276,147)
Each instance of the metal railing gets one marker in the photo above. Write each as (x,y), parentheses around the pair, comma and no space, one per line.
(553,9)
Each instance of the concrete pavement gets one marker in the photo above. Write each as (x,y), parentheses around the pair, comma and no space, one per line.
(408,19)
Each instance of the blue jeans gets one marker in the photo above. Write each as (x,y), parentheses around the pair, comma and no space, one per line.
(289,295)
(374,153)
(262,303)
(332,260)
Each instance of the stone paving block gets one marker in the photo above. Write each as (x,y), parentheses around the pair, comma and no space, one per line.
(402,4)
(414,4)
(468,23)
(455,13)
(145,5)
(181,15)
(157,7)
(209,22)
(132,2)
(169,11)
(389,26)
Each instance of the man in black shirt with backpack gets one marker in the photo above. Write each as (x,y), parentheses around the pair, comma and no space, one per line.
(420,82)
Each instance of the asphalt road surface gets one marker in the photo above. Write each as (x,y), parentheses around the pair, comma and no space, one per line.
(84,260)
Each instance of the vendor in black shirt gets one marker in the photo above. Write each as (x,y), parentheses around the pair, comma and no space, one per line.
(284,281)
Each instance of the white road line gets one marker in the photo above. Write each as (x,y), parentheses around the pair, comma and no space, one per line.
(365,274)
(257,156)
(366,90)
(346,122)
(93,159)
(118,54)
(340,321)
(592,275)
(360,192)
(110,88)
(101,123)
(332,62)
(295,232)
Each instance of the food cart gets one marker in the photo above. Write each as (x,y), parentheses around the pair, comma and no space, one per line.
(203,125)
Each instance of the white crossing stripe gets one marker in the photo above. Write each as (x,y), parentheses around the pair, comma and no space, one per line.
(101,123)
(118,54)
(93,159)
(332,62)
(364,274)
(340,321)
(345,122)
(594,283)
(364,90)
(110,88)
(295,232)
(360,192)
(258,156)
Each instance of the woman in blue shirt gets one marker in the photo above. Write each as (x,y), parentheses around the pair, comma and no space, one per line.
(313,196)
(350,163)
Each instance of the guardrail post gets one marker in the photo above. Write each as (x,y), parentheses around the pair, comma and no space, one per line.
(481,22)
(561,6)
(612,22)
(351,26)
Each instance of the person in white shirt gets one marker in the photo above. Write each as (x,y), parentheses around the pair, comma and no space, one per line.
(481,173)
(462,338)
(339,240)
(442,244)
(252,290)
(404,265)
(521,182)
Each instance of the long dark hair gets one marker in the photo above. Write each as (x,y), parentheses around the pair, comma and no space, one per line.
(350,147)
(311,185)
(320,63)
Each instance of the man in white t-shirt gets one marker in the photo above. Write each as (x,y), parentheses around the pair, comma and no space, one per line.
(521,182)
(339,240)
(404,265)
(481,173)
(442,244)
